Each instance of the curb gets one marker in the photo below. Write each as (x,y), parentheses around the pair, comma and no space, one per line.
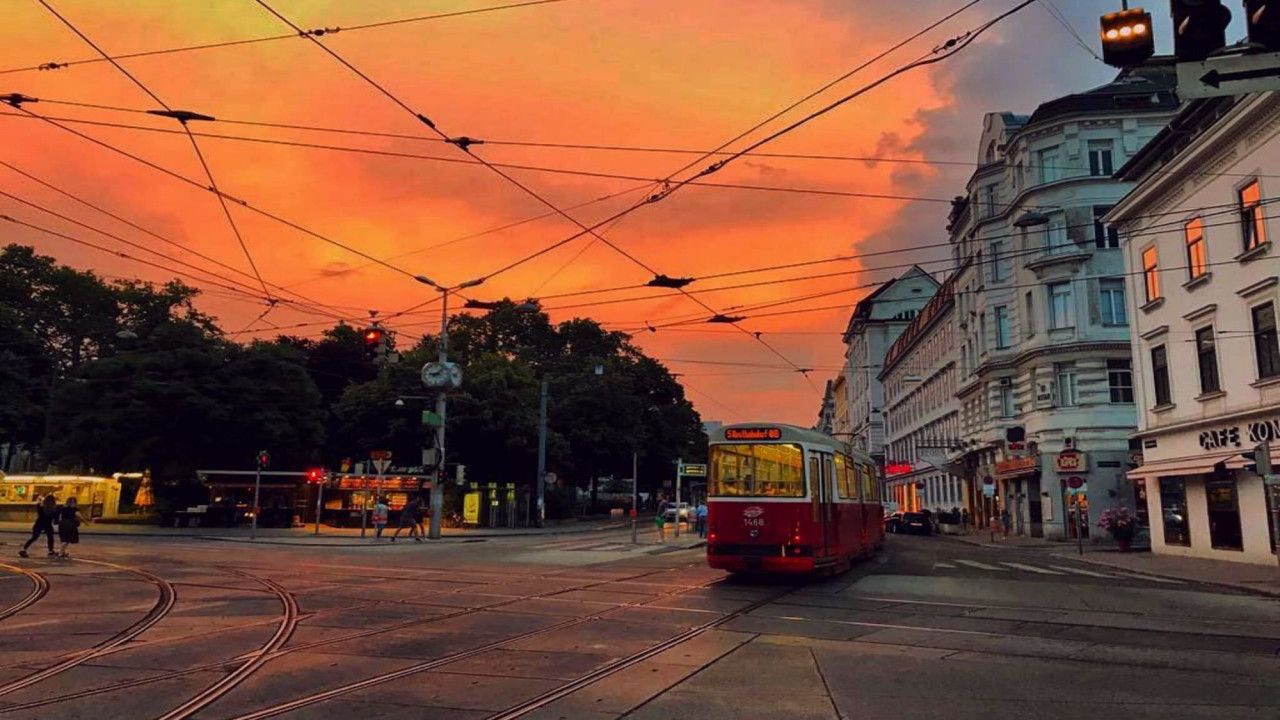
(1263,592)
(998,545)
(276,540)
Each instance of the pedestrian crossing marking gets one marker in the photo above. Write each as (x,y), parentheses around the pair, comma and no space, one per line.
(948,566)
(1078,571)
(980,566)
(1031,568)
(1149,578)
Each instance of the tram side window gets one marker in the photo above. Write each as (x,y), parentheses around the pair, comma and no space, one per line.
(757,471)
(870,491)
(846,480)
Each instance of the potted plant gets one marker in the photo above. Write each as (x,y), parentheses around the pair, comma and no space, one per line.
(1121,524)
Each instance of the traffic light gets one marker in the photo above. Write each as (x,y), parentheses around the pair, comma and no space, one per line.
(1258,460)
(264,459)
(1262,17)
(461,476)
(315,476)
(1199,28)
(373,342)
(1127,40)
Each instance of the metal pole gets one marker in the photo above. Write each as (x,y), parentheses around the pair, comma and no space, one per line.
(1079,526)
(679,471)
(542,455)
(319,498)
(437,485)
(635,495)
(257,487)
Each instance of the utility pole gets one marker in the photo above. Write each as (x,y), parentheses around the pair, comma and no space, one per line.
(259,462)
(679,472)
(542,455)
(635,494)
(437,484)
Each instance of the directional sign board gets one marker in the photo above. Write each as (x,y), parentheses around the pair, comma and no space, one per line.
(1229,75)
(694,471)
(381,464)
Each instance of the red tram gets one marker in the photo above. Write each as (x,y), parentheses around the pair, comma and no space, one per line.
(789,500)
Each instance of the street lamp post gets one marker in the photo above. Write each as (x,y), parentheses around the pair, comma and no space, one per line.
(437,485)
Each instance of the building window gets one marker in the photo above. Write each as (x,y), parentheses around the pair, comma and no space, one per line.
(1056,238)
(1029,317)
(1120,380)
(1252,218)
(1048,160)
(1006,400)
(1100,160)
(1104,237)
(1264,341)
(982,333)
(1002,327)
(1197,255)
(997,249)
(1065,375)
(1061,310)
(1160,375)
(1151,273)
(989,200)
(1207,356)
(1173,507)
(1111,301)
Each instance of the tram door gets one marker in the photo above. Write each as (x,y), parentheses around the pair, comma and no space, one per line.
(827,520)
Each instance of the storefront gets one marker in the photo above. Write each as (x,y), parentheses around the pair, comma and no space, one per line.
(1018,487)
(97,497)
(1202,494)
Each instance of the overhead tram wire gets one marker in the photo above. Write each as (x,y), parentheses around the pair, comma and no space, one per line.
(125,221)
(465,148)
(182,118)
(54,65)
(1056,14)
(871,159)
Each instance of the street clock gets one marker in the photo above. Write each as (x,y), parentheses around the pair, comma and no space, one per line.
(439,375)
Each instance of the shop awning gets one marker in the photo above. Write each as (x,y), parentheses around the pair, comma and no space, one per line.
(1199,465)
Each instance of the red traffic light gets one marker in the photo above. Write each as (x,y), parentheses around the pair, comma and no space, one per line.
(264,459)
(315,476)
(373,336)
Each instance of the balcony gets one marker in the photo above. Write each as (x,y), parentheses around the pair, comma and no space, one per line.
(1053,256)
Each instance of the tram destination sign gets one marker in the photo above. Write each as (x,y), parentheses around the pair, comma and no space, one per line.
(753,433)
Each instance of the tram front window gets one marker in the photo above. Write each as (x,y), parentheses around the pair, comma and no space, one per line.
(757,471)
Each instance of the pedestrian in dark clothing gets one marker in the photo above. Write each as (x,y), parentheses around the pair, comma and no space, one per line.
(964,519)
(419,516)
(68,527)
(46,509)
(408,519)
(1005,521)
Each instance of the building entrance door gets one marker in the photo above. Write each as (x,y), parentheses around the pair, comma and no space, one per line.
(1224,514)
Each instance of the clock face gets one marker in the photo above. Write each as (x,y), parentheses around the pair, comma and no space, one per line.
(434,375)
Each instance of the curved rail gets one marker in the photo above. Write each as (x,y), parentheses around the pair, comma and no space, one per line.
(39,587)
(288,622)
(164,603)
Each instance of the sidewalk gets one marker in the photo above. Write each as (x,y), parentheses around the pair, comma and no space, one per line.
(306,535)
(982,538)
(1264,579)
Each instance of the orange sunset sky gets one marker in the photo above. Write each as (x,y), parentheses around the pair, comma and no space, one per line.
(657,74)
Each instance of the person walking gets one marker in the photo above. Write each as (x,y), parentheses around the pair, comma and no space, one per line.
(68,517)
(964,520)
(660,520)
(1005,521)
(418,516)
(379,517)
(46,509)
(408,519)
(700,518)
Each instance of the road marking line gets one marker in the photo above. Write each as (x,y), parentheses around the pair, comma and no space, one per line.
(949,566)
(1078,571)
(1031,568)
(1149,578)
(980,566)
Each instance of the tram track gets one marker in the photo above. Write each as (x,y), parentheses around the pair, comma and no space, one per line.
(333,693)
(254,660)
(168,596)
(39,588)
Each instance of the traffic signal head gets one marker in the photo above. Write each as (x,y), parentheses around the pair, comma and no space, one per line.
(462,474)
(315,476)
(264,459)
(1262,17)
(1199,28)
(373,342)
(1127,40)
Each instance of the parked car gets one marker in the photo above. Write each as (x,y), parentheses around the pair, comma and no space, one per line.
(678,509)
(916,523)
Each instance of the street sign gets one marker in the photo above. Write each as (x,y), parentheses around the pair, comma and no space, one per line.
(1075,482)
(1229,75)
(379,454)
(381,464)
(989,491)
(695,471)
(1273,480)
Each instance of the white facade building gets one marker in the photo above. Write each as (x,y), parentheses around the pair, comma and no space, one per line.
(921,413)
(1042,339)
(876,322)
(1203,293)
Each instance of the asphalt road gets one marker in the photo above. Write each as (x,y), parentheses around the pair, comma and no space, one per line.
(591,628)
